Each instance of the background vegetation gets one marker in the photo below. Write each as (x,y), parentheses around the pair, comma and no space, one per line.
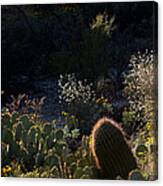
(98,60)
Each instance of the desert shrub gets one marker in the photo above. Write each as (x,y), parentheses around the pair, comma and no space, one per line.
(80,100)
(103,25)
(144,146)
(73,90)
(24,104)
(140,118)
(95,53)
(90,49)
(140,88)
(94,58)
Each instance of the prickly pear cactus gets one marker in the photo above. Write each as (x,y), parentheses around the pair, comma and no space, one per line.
(35,148)
(110,150)
(136,175)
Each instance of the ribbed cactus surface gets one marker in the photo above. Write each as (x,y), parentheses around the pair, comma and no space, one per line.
(112,154)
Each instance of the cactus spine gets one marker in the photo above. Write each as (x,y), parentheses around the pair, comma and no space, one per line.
(110,150)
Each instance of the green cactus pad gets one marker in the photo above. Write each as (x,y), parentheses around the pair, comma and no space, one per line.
(47,128)
(32,134)
(15,115)
(7,136)
(7,121)
(26,122)
(59,134)
(51,160)
(78,173)
(39,159)
(18,133)
(136,175)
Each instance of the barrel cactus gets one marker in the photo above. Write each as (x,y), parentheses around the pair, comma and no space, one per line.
(112,154)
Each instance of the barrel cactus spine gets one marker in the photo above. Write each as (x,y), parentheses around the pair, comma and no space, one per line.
(112,154)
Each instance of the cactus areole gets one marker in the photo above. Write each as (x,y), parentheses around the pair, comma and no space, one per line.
(110,150)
